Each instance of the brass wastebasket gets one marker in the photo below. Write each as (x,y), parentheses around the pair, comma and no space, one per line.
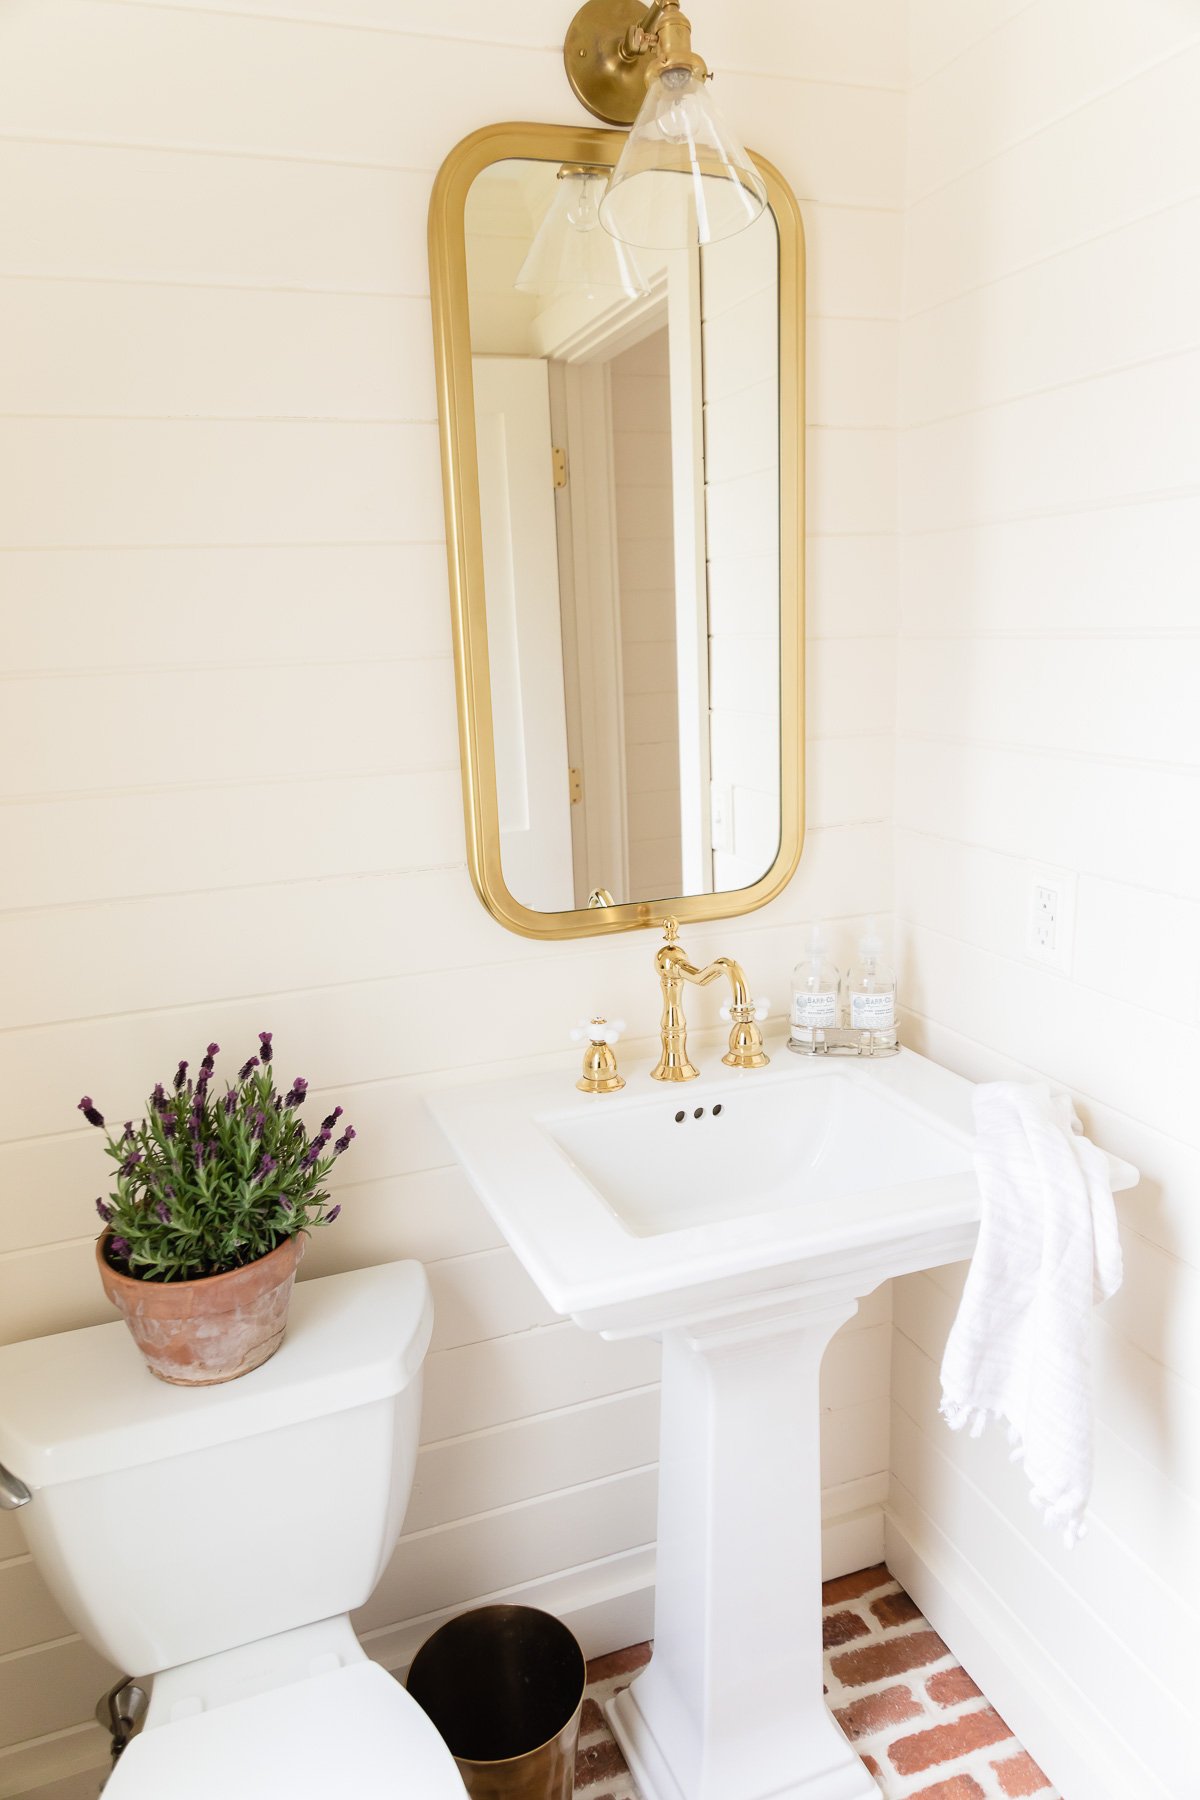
(504,1686)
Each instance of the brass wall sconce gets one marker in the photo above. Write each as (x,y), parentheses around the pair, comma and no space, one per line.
(683,178)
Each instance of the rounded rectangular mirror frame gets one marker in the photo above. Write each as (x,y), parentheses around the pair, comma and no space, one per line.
(464,540)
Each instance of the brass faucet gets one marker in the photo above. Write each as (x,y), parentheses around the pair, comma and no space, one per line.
(745,1039)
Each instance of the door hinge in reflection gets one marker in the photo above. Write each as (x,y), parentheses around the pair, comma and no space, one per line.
(559,463)
(575,785)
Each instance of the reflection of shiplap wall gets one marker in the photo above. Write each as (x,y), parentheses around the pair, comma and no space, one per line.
(504,207)
(229,741)
(741,478)
(1047,694)
(641,430)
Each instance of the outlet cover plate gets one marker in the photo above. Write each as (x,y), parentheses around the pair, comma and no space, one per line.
(1050,916)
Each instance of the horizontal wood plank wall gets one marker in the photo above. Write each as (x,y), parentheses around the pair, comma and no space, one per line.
(228,738)
(1049,652)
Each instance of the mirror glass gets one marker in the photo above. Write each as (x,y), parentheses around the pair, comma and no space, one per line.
(627,428)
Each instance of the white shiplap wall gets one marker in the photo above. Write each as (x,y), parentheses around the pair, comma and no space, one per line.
(1050,456)
(228,734)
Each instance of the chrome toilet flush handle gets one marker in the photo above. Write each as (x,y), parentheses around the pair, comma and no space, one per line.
(13,1492)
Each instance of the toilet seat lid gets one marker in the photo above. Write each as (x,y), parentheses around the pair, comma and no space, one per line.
(351,1734)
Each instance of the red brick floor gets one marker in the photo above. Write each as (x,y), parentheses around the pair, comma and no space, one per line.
(916,1718)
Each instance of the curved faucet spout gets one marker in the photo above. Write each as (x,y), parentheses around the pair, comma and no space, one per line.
(674,970)
(737,979)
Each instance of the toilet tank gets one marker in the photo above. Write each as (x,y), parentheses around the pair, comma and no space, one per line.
(172,1523)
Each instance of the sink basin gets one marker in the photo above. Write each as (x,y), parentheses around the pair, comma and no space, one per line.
(774,1144)
(740,1218)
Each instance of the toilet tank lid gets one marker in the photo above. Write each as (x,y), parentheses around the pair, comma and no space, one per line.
(83,1403)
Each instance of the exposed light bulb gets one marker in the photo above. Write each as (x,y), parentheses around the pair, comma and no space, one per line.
(582,207)
(676,113)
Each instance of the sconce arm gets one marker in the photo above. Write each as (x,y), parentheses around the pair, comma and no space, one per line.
(636,39)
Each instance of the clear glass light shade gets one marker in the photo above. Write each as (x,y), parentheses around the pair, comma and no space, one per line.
(683,178)
(569,252)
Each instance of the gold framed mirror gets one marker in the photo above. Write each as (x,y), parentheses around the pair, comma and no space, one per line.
(622,439)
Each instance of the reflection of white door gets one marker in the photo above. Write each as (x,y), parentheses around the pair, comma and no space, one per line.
(520,580)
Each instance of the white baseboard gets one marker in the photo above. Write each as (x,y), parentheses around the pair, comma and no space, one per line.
(1076,1745)
(607,1604)
(851,1540)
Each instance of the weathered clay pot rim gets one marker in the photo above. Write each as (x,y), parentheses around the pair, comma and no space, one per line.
(225,1288)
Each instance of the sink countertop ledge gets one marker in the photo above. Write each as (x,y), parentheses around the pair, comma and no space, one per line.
(816,1173)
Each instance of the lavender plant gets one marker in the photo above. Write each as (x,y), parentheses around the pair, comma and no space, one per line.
(209,1182)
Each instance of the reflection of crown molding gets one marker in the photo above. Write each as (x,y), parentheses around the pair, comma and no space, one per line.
(575,328)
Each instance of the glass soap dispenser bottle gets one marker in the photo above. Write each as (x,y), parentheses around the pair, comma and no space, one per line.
(816,991)
(871,990)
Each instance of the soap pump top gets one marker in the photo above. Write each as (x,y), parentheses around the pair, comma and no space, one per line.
(871,986)
(815,986)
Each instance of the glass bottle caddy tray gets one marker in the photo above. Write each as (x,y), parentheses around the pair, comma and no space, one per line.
(846,1040)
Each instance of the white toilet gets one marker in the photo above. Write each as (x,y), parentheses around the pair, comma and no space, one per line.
(216,1539)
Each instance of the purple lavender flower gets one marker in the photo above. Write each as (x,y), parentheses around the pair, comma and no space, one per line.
(329,1123)
(248,1068)
(207,1061)
(158,1098)
(256,1129)
(229,1102)
(121,1247)
(89,1111)
(332,1214)
(127,1134)
(297,1092)
(170,1125)
(264,1038)
(131,1162)
(180,1073)
(163,1211)
(285,1203)
(345,1141)
(313,1153)
(104,1210)
(266,1167)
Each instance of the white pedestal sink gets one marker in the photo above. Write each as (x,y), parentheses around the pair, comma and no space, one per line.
(740,1217)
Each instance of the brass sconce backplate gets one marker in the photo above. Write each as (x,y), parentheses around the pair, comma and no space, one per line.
(610,85)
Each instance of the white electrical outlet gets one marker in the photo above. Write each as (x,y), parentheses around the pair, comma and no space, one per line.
(1050,930)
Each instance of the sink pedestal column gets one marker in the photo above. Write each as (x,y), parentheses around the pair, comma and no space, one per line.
(731,1706)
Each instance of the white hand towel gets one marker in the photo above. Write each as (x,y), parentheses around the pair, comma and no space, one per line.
(1048,1250)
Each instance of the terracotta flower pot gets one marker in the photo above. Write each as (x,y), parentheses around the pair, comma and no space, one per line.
(197,1333)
